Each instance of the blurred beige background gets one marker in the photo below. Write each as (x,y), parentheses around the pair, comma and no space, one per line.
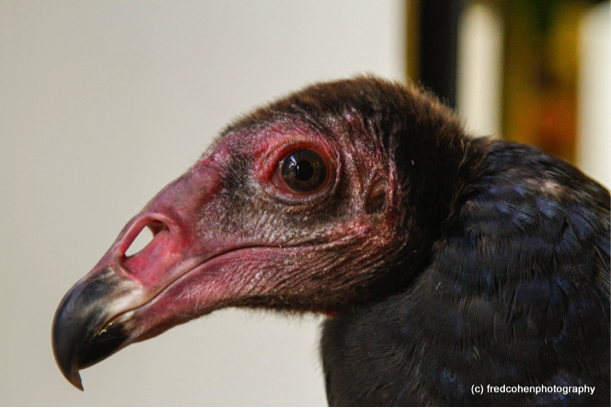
(102,103)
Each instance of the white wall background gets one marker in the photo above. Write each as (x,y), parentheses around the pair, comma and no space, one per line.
(480,70)
(102,103)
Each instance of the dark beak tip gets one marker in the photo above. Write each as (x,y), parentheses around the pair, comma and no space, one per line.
(75,379)
(69,371)
(66,365)
(77,338)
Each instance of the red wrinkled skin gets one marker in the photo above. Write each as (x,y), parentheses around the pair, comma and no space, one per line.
(228,233)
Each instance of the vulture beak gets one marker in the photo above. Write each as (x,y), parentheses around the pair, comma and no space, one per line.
(82,332)
(125,299)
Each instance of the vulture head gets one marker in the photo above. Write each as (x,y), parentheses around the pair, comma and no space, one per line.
(336,200)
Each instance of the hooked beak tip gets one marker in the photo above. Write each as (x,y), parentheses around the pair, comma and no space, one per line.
(75,379)
(68,368)
(77,339)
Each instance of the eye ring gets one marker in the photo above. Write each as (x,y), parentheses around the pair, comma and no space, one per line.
(303,171)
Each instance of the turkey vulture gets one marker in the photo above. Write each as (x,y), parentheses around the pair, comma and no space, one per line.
(453,270)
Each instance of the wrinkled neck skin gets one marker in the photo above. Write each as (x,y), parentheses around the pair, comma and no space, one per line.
(374,233)
(318,246)
(434,172)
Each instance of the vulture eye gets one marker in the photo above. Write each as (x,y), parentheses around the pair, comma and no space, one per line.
(303,171)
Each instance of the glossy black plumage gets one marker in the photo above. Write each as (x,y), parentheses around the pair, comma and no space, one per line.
(516,293)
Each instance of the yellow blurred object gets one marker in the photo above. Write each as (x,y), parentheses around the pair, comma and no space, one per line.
(540,74)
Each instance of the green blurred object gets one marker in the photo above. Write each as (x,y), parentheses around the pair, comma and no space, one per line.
(540,66)
(540,73)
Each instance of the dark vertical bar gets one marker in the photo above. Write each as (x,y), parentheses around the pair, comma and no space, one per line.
(438,31)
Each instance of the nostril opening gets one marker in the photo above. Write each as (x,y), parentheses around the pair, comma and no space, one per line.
(155,227)
(144,237)
(142,240)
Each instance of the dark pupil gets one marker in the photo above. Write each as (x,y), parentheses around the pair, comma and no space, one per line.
(304,171)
